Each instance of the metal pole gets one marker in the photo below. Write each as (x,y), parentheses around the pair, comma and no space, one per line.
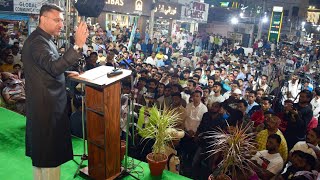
(151,21)
(67,23)
(260,20)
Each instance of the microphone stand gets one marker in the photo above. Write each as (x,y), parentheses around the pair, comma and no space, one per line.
(84,156)
(130,121)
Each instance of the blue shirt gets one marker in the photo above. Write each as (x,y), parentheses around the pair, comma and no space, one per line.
(128,60)
(250,106)
(160,63)
(144,47)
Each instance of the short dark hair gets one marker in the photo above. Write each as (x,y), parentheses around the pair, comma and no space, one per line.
(176,94)
(253,92)
(143,79)
(276,137)
(260,89)
(218,69)
(211,77)
(193,83)
(94,53)
(317,131)
(267,99)
(205,87)
(168,86)
(144,71)
(317,91)
(154,81)
(17,65)
(178,86)
(49,7)
(308,93)
(159,74)
(265,76)
(244,102)
(161,84)
(197,76)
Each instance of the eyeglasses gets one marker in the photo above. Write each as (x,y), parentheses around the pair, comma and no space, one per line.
(56,20)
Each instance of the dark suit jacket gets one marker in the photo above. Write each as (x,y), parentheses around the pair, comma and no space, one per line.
(48,138)
(169,53)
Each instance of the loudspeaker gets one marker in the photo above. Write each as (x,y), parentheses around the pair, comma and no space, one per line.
(295,11)
(89,8)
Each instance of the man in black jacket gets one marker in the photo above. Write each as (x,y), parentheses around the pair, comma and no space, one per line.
(167,51)
(298,119)
(48,138)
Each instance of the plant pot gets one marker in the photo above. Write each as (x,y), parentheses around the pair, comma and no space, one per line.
(157,167)
(122,149)
(219,177)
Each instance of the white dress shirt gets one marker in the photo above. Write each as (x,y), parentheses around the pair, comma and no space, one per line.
(151,61)
(315,102)
(194,116)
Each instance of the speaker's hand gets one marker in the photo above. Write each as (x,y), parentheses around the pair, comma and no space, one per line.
(81,34)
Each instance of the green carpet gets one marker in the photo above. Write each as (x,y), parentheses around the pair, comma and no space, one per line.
(14,165)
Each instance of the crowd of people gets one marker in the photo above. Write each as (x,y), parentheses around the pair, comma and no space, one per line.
(212,83)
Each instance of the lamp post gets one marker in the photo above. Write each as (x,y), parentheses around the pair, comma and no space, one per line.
(260,21)
(234,21)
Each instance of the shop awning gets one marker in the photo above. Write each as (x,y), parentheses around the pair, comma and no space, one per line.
(14,17)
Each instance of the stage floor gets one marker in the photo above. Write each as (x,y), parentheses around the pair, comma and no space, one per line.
(14,165)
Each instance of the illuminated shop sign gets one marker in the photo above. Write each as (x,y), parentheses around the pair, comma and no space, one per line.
(142,7)
(275,24)
(167,10)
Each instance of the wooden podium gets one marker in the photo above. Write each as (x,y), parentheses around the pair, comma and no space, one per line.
(102,102)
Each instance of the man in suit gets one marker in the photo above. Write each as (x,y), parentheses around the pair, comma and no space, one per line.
(48,136)
(168,52)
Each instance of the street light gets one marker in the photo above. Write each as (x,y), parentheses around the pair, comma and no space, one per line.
(241,14)
(303,23)
(234,20)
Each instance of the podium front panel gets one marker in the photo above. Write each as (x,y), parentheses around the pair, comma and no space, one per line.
(103,127)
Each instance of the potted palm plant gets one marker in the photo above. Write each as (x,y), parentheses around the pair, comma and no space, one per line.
(234,147)
(160,128)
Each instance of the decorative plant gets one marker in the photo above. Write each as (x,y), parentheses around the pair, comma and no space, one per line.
(160,128)
(235,146)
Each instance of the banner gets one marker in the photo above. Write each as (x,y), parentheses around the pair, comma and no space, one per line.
(28,6)
(195,11)
(6,5)
(133,34)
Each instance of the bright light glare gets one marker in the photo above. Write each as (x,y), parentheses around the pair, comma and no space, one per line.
(303,23)
(234,20)
(318,28)
(241,14)
(265,19)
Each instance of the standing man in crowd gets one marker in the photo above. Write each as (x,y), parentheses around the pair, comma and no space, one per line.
(48,138)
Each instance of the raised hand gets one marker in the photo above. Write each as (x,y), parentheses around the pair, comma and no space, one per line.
(81,34)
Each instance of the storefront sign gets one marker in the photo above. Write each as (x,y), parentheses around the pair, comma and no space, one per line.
(275,24)
(313,17)
(115,2)
(195,11)
(142,7)
(6,5)
(28,6)
(167,10)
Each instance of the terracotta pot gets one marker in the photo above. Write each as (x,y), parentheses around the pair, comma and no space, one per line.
(122,150)
(157,167)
